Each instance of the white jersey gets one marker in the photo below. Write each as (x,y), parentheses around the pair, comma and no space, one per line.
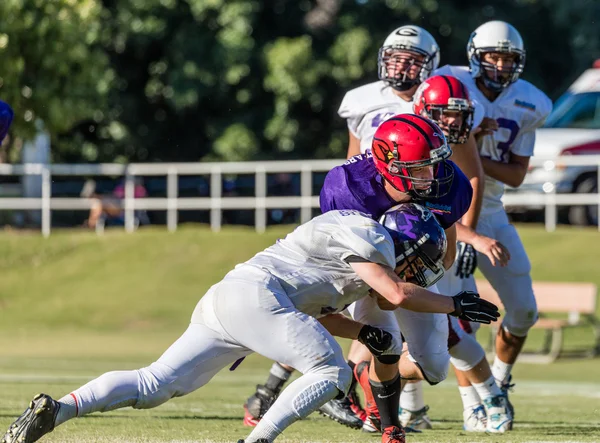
(312,262)
(368,106)
(519,110)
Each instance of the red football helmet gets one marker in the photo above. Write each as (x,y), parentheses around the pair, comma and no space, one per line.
(406,142)
(439,95)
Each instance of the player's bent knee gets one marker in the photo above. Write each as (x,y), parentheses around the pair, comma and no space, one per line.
(433,378)
(520,322)
(521,317)
(434,367)
(466,354)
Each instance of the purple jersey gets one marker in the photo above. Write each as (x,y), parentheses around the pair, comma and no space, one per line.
(358,185)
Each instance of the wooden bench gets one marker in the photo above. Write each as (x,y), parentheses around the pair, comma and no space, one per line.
(578,300)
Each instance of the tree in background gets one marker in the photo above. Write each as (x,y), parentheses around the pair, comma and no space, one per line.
(53,67)
(190,80)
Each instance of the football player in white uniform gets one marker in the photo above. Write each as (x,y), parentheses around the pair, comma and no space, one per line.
(270,304)
(514,109)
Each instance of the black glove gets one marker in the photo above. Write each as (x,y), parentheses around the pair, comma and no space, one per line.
(469,306)
(466,259)
(377,340)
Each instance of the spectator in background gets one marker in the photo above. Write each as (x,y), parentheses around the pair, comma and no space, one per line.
(111,208)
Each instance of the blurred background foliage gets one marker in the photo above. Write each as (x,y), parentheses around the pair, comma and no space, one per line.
(190,80)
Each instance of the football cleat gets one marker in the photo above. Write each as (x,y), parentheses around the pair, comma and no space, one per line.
(340,411)
(393,434)
(505,387)
(37,421)
(499,419)
(356,406)
(415,419)
(260,440)
(475,419)
(258,404)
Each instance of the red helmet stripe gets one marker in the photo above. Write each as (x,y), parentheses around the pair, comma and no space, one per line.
(418,128)
(464,91)
(449,85)
(434,127)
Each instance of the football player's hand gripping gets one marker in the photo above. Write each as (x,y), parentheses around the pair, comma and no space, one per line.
(469,306)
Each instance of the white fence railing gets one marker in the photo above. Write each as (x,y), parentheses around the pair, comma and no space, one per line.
(217,202)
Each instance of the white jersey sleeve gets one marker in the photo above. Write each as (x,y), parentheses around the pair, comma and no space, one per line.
(349,111)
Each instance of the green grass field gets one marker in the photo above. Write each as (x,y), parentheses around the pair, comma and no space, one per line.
(76,305)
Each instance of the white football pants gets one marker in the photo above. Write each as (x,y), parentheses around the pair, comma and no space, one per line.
(247,311)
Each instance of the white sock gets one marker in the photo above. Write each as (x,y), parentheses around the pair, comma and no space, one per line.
(297,401)
(501,371)
(68,409)
(111,390)
(487,389)
(412,398)
(469,397)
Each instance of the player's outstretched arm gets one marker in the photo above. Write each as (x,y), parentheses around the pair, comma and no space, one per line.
(398,293)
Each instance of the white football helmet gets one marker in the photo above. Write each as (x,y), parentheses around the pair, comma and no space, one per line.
(501,37)
(411,39)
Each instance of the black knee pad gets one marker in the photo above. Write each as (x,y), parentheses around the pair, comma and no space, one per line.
(388,359)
